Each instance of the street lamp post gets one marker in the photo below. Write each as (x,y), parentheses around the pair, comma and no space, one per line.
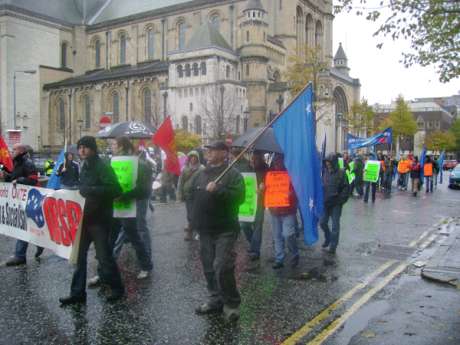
(14,92)
(220,124)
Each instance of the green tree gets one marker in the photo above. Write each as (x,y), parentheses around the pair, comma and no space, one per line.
(455,130)
(401,120)
(439,141)
(186,141)
(362,117)
(431,26)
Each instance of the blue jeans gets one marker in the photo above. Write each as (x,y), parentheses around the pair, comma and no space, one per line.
(136,231)
(429,184)
(20,251)
(373,187)
(253,232)
(332,237)
(284,230)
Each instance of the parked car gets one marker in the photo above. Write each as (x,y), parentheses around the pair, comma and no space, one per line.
(454,177)
(449,164)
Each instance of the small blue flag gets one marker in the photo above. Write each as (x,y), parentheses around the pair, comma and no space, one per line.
(295,133)
(54,181)
(441,164)
(422,163)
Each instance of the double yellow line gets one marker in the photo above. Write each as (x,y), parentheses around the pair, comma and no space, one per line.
(326,313)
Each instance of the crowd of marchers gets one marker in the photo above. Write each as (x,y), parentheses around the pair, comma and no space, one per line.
(212,193)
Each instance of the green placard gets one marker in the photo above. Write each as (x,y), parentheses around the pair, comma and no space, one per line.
(248,209)
(350,173)
(341,164)
(125,168)
(371,171)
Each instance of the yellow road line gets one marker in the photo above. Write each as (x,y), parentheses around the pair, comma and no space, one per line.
(328,331)
(307,328)
(422,236)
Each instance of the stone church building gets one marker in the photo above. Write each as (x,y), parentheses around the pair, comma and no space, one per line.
(216,67)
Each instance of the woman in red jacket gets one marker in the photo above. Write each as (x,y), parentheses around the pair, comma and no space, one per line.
(415,175)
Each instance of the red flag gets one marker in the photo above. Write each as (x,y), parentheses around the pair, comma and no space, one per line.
(5,157)
(164,138)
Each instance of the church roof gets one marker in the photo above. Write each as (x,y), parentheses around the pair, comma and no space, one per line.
(340,55)
(121,72)
(207,36)
(254,5)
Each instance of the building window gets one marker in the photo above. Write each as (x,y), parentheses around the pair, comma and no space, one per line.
(115,107)
(150,44)
(64,54)
(227,72)
(215,21)
(198,128)
(87,103)
(196,70)
(238,120)
(247,70)
(147,96)
(180,93)
(122,49)
(185,123)
(97,53)
(203,68)
(187,70)
(247,36)
(191,106)
(185,92)
(61,107)
(191,92)
(281,5)
(180,71)
(181,35)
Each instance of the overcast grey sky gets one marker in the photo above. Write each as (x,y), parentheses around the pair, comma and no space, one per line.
(381,74)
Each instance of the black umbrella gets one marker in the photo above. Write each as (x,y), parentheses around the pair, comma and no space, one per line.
(266,142)
(130,129)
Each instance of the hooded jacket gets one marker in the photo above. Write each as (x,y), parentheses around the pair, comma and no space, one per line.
(24,171)
(335,184)
(187,177)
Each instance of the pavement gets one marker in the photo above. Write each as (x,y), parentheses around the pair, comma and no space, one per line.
(371,292)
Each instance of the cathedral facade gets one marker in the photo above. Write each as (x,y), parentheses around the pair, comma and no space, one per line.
(216,67)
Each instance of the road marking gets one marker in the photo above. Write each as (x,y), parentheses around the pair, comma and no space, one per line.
(422,236)
(329,330)
(308,327)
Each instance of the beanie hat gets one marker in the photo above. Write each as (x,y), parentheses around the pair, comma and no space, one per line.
(89,142)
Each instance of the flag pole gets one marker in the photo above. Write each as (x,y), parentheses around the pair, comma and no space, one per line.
(264,129)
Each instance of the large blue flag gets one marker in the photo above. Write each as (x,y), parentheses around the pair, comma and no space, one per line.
(422,163)
(441,164)
(295,133)
(54,181)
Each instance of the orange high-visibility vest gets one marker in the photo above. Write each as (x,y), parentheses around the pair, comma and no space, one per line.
(428,169)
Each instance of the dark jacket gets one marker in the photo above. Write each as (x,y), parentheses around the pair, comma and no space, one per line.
(70,177)
(99,185)
(359,169)
(217,212)
(335,184)
(24,171)
(186,179)
(143,188)
(243,166)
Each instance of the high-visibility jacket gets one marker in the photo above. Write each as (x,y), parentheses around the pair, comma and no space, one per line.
(404,166)
(428,169)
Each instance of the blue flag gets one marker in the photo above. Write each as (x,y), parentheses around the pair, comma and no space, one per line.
(441,164)
(323,154)
(384,137)
(422,163)
(295,133)
(54,181)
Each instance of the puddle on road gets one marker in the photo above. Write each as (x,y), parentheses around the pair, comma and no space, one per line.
(359,321)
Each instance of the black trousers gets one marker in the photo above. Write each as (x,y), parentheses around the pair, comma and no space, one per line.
(107,267)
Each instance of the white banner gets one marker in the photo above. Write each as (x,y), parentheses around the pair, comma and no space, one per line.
(45,217)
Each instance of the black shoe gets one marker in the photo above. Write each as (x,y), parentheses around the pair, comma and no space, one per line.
(14,261)
(209,308)
(277,265)
(331,251)
(326,244)
(115,295)
(295,261)
(72,300)
(39,252)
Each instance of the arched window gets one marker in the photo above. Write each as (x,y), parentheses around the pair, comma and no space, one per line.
(181,35)
(147,98)
(247,36)
(87,104)
(122,49)
(196,70)
(187,70)
(61,109)
(215,21)
(185,123)
(115,107)
(180,71)
(309,27)
(97,53)
(318,34)
(227,72)
(150,44)
(198,126)
(64,54)
(247,70)
(203,68)
(238,120)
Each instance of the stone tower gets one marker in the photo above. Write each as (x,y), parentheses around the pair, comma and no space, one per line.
(341,61)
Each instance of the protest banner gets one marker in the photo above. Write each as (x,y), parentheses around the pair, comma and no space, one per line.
(45,217)
(371,171)
(247,212)
(277,189)
(125,168)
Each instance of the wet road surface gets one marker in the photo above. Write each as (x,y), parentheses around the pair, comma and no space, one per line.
(160,310)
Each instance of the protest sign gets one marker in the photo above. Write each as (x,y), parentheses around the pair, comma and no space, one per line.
(350,173)
(45,217)
(371,171)
(277,189)
(341,163)
(125,168)
(248,209)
